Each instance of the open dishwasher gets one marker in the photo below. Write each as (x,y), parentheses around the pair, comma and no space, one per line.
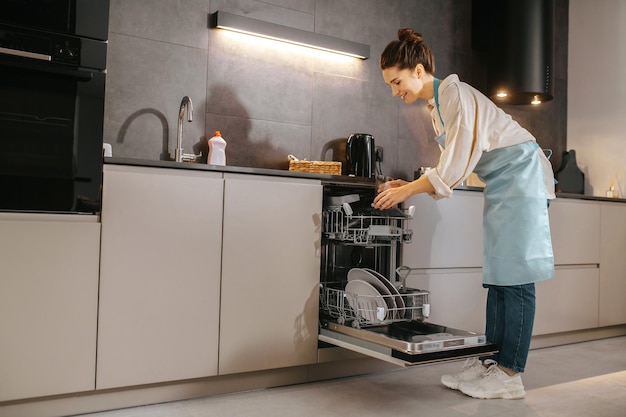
(365,305)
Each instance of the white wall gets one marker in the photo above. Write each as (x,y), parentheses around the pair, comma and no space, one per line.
(596,116)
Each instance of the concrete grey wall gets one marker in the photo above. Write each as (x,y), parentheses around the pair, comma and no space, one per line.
(270,99)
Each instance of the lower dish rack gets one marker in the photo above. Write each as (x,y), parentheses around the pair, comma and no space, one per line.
(359,310)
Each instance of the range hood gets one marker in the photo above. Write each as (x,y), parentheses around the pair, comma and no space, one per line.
(517,39)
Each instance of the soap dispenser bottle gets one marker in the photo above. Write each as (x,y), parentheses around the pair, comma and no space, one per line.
(217,153)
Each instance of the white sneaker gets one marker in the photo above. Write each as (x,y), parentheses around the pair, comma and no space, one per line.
(494,383)
(472,370)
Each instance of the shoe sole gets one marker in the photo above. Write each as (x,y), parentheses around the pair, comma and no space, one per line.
(451,385)
(455,385)
(516,395)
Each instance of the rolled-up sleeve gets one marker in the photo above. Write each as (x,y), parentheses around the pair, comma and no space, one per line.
(460,155)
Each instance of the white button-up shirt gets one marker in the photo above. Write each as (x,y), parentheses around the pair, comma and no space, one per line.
(473,125)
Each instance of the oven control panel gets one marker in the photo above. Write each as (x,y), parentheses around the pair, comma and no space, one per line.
(31,44)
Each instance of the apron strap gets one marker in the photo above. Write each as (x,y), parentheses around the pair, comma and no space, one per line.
(437,81)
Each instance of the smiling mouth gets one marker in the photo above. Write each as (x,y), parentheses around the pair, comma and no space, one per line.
(402,96)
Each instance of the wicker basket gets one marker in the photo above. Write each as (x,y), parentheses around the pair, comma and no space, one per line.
(318,167)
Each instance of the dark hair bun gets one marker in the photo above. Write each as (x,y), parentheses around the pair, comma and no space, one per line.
(407,52)
(408,34)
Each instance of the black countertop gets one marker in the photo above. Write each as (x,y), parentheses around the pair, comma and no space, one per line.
(560,195)
(296,174)
(240,170)
(590,197)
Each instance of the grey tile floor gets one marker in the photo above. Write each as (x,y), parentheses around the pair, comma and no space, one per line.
(578,380)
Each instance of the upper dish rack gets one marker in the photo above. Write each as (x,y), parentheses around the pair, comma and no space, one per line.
(368,226)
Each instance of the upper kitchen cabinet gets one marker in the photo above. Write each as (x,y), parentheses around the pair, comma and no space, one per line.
(48,304)
(447,233)
(613,264)
(160,275)
(270,273)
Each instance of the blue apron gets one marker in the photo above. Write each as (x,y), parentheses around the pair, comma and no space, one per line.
(516,229)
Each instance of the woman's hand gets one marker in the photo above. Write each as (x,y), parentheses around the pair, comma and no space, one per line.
(390,184)
(396,191)
(391,193)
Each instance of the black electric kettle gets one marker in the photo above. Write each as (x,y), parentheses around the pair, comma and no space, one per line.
(361,155)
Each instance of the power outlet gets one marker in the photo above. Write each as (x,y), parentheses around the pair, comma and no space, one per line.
(379,153)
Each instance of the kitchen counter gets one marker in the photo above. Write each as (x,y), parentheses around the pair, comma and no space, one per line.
(590,197)
(589,239)
(559,195)
(297,174)
(237,170)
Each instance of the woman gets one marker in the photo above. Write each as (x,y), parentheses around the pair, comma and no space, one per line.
(475,135)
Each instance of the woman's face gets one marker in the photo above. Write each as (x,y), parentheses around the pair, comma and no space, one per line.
(406,84)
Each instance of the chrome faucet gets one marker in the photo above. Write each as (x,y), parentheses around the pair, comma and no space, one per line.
(179,155)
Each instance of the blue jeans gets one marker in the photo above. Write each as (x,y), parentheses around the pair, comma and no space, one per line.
(510,318)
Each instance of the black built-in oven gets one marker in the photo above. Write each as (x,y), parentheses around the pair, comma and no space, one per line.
(52,84)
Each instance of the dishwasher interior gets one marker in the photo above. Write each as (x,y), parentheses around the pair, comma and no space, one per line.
(365,305)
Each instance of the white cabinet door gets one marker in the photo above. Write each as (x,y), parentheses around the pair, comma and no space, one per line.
(457,297)
(270,273)
(569,301)
(613,264)
(447,233)
(160,275)
(48,304)
(575,230)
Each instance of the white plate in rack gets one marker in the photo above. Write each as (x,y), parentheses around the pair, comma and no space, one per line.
(366,275)
(366,301)
(399,301)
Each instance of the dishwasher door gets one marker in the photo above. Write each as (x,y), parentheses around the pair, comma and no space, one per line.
(392,327)
(407,343)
